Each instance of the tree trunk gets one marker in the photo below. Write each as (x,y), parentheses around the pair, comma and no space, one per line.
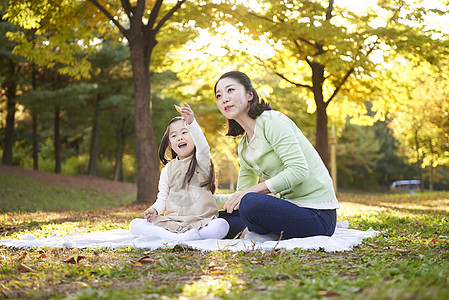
(321,142)
(365,182)
(119,150)
(383,183)
(418,161)
(431,166)
(94,144)
(431,170)
(345,180)
(57,139)
(146,146)
(11,92)
(34,117)
(35,142)
(10,120)
(118,168)
(142,40)
(388,185)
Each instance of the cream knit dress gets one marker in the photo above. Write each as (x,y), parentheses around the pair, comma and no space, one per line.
(188,208)
(193,206)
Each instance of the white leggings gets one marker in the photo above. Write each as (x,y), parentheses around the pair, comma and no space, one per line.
(215,229)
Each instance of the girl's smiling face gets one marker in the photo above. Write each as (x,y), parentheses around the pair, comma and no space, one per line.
(180,140)
(232,98)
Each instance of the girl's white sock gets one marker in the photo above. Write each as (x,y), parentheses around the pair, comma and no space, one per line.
(215,229)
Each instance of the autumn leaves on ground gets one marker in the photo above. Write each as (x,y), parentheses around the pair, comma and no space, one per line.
(408,260)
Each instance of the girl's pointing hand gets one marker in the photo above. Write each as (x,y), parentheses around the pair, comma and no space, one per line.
(187,113)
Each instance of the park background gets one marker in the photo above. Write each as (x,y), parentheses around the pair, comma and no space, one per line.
(88,86)
(376,74)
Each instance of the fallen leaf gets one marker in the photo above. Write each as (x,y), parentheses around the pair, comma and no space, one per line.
(25,268)
(328,293)
(147,259)
(399,249)
(166,248)
(217,272)
(185,256)
(43,255)
(74,259)
(24,254)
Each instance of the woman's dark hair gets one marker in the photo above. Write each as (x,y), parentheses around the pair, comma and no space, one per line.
(165,143)
(256,106)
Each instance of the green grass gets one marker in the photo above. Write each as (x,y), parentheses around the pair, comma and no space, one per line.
(408,260)
(19,193)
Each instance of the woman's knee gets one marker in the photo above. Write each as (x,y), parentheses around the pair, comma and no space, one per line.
(332,223)
(251,202)
(251,199)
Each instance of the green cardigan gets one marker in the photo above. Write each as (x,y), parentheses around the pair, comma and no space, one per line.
(285,156)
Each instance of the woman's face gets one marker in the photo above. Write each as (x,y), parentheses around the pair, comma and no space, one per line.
(180,140)
(232,98)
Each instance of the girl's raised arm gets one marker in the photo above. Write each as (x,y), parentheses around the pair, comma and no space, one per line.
(202,147)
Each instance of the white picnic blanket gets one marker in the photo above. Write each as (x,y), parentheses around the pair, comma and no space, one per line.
(342,240)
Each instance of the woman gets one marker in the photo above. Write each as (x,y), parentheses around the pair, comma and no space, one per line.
(274,149)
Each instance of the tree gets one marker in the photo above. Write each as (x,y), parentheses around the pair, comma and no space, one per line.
(329,50)
(110,76)
(142,24)
(358,152)
(10,67)
(142,39)
(65,102)
(391,166)
(46,38)
(419,115)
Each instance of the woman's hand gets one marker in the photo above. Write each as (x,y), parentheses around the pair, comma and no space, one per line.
(233,202)
(187,113)
(150,214)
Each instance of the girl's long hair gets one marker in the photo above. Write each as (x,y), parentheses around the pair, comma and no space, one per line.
(256,106)
(165,143)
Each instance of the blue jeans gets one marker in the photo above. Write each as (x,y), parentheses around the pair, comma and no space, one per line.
(264,214)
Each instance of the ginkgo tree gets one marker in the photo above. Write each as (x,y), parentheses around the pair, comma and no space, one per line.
(420,114)
(329,50)
(65,29)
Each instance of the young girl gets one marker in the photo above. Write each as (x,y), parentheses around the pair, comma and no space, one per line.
(186,187)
